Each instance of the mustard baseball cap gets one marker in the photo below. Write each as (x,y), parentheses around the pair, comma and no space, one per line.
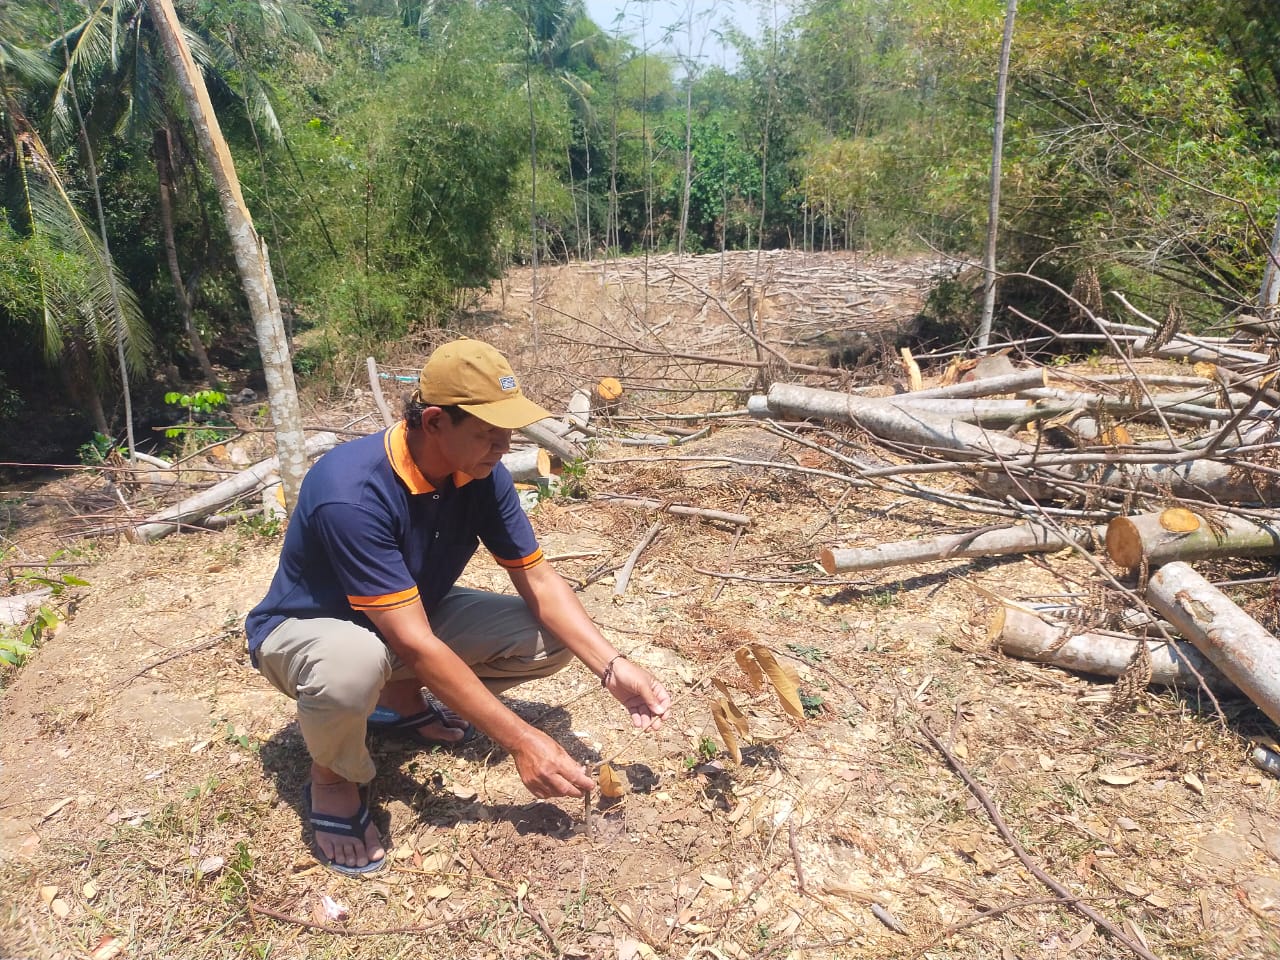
(474,376)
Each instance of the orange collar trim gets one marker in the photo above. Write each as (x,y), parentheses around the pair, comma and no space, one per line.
(396,443)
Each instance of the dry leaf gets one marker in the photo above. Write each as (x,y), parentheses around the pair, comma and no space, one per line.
(783,685)
(61,909)
(625,912)
(438,892)
(90,890)
(635,950)
(1194,782)
(55,808)
(610,783)
(749,666)
(1117,779)
(725,724)
(210,865)
(108,948)
(1124,823)
(47,894)
(717,882)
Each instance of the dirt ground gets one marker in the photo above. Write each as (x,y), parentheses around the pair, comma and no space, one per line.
(150,779)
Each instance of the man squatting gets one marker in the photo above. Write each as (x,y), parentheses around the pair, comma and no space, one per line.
(364,611)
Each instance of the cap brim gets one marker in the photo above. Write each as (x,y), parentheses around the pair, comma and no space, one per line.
(509,414)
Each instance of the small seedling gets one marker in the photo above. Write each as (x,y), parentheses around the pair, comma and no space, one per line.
(807,653)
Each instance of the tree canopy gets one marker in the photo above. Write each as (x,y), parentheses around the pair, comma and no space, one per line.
(397,155)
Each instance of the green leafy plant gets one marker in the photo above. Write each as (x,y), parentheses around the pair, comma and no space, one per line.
(97,450)
(202,407)
(18,644)
(573,480)
(808,653)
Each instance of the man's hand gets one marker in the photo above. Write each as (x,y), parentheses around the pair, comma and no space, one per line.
(547,770)
(639,691)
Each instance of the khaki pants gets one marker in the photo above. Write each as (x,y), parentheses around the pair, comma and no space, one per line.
(335,669)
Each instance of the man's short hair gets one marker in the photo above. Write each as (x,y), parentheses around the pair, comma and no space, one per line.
(413,410)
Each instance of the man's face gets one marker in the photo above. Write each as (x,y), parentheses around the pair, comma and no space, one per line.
(471,445)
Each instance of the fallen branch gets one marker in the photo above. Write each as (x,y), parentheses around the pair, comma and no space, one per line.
(680,510)
(625,571)
(1236,643)
(1066,896)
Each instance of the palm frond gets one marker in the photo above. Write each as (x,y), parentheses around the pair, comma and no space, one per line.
(219,60)
(85,49)
(108,306)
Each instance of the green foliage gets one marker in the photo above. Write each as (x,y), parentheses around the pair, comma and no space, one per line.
(18,643)
(96,451)
(202,407)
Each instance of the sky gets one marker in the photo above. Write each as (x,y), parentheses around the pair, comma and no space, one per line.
(644,22)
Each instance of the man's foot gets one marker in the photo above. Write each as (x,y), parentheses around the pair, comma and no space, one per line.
(344,833)
(404,711)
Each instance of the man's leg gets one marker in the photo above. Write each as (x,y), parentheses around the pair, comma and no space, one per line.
(334,670)
(496,635)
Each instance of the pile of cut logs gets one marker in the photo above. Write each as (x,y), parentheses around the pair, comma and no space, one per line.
(1063,462)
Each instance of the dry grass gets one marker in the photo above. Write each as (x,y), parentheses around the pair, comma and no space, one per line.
(783,855)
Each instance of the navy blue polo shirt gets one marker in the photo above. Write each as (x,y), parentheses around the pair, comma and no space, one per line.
(369,532)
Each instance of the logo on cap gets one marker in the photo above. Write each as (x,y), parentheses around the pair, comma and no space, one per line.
(507,383)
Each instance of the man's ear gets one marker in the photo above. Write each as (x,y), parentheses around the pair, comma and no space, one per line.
(431,417)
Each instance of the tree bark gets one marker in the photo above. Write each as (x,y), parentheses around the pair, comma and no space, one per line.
(528,464)
(1024,635)
(211,500)
(1145,538)
(891,421)
(993,207)
(987,386)
(544,436)
(250,253)
(1235,642)
(1001,541)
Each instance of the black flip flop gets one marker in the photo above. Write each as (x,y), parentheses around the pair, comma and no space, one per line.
(389,724)
(355,826)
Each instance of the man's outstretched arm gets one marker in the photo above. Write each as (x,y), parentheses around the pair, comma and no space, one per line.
(558,608)
(544,766)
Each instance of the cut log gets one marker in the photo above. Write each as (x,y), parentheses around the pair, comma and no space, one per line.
(546,437)
(1031,538)
(1158,538)
(1024,635)
(1236,643)
(209,501)
(528,464)
(891,421)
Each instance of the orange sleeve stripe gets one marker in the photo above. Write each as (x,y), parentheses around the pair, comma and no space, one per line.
(524,563)
(389,601)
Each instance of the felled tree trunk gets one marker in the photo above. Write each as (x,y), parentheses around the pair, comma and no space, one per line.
(544,435)
(528,464)
(891,421)
(1194,480)
(1024,635)
(1236,643)
(1001,541)
(195,508)
(1158,538)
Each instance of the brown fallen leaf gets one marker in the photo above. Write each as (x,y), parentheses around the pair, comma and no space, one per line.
(610,783)
(1117,779)
(1194,782)
(55,808)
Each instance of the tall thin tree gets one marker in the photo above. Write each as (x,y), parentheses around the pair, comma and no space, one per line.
(993,209)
